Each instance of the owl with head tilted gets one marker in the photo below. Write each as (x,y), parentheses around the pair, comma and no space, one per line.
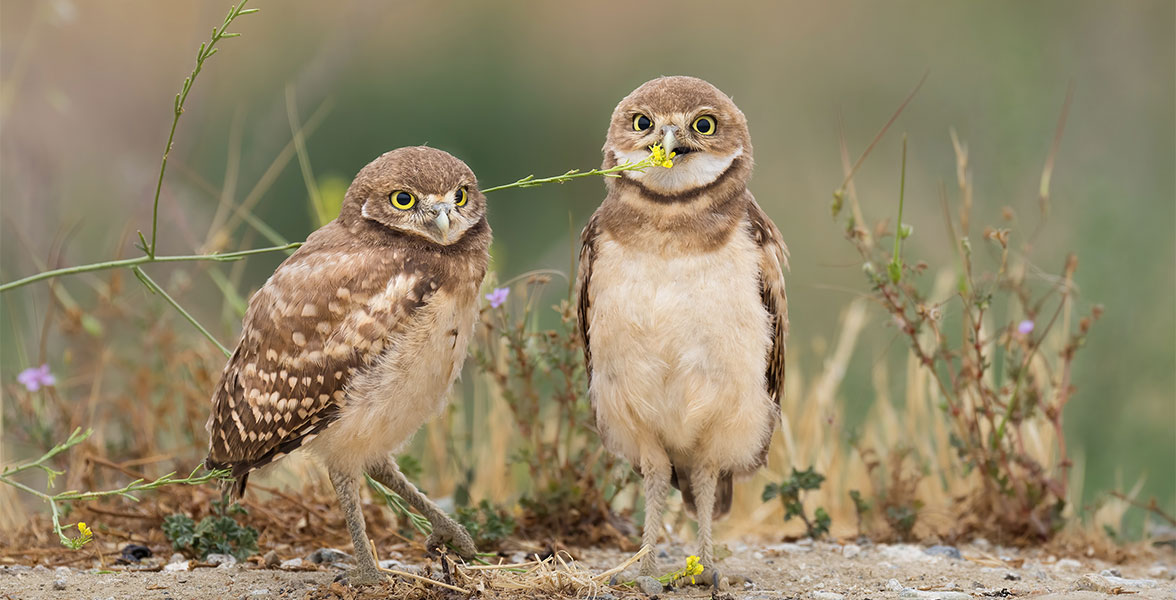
(682,305)
(357,338)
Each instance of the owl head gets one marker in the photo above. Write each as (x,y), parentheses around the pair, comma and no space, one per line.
(418,191)
(689,117)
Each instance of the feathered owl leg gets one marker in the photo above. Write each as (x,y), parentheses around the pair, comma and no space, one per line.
(445,529)
(347,488)
(655,469)
(704,480)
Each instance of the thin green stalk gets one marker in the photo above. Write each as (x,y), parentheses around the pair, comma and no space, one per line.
(901,231)
(398,505)
(155,287)
(206,51)
(530,181)
(142,260)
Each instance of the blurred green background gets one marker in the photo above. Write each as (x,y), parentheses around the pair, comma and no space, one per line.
(527,87)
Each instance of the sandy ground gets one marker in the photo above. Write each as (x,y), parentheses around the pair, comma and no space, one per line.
(818,571)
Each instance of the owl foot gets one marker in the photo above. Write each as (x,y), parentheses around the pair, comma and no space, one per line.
(367,575)
(451,536)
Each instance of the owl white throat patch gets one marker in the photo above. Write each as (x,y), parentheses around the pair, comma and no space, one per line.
(691,171)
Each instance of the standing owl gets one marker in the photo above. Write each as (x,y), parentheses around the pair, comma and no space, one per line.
(682,305)
(357,338)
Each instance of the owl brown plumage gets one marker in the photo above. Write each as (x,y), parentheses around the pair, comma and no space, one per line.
(682,304)
(358,336)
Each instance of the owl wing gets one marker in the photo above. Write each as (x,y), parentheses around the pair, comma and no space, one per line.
(583,278)
(322,317)
(773,261)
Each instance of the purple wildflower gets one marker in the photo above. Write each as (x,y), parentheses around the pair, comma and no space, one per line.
(498,296)
(34,378)
(1025,327)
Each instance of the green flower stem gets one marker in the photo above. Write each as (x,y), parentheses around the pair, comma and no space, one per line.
(900,230)
(142,260)
(530,181)
(156,288)
(138,485)
(206,51)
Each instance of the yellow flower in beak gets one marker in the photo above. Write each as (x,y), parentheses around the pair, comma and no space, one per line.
(658,156)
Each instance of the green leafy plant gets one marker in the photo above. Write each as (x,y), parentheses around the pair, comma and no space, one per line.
(999,349)
(218,533)
(487,524)
(539,373)
(789,492)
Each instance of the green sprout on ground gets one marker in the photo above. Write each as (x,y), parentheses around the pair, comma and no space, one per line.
(487,524)
(56,501)
(218,533)
(789,492)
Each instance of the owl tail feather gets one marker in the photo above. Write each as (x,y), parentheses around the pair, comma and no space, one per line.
(724,491)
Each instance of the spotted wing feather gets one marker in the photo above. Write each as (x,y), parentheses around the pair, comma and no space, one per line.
(321,318)
(773,261)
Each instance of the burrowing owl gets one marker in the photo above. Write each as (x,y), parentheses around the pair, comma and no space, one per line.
(682,304)
(356,339)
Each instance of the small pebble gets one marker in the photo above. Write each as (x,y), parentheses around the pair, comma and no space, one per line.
(59,584)
(1011,576)
(948,551)
(649,586)
(327,555)
(894,586)
(177,566)
(292,563)
(851,550)
(259,592)
(134,553)
(272,559)
(1067,564)
(1162,572)
(221,560)
(827,596)
(391,563)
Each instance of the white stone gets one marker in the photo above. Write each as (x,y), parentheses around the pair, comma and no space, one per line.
(292,563)
(827,596)
(177,566)
(851,550)
(894,586)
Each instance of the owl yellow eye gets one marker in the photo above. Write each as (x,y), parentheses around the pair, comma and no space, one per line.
(705,125)
(459,198)
(402,200)
(641,122)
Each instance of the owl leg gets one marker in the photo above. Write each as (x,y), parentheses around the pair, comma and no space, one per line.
(703,481)
(347,488)
(655,468)
(445,529)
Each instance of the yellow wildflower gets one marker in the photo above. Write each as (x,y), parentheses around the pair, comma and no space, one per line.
(85,530)
(693,568)
(658,156)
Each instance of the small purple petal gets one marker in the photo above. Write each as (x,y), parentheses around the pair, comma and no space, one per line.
(33,378)
(498,296)
(1025,327)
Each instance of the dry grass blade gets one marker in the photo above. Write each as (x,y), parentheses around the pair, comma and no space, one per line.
(882,132)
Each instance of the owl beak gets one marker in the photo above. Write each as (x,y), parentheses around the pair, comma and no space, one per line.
(442,219)
(669,138)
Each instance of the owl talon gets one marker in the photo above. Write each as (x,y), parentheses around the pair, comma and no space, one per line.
(452,537)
